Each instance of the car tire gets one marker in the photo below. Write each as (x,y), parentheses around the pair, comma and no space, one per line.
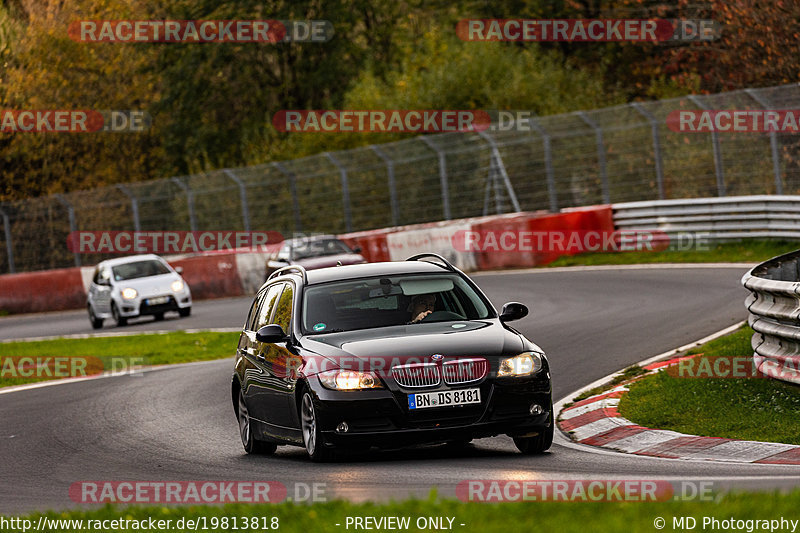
(250,443)
(312,436)
(159,317)
(97,323)
(185,311)
(541,442)
(120,320)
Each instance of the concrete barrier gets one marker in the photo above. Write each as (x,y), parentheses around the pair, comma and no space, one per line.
(48,290)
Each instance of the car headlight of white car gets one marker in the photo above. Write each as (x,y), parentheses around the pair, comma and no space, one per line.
(177,285)
(129,293)
(524,364)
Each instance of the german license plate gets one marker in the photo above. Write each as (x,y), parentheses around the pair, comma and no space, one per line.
(158,300)
(423,400)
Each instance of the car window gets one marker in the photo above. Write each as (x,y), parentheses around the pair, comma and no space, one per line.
(381,302)
(139,269)
(318,248)
(250,322)
(268,305)
(283,313)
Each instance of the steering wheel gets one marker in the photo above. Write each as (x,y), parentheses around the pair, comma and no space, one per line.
(442,316)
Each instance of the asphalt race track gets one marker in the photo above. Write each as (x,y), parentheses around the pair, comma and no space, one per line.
(177,423)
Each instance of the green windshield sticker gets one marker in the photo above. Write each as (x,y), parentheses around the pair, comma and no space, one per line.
(319,327)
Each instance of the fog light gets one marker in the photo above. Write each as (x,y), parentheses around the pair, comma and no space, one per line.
(342,428)
(536,409)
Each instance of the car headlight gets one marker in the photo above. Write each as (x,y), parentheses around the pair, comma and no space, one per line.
(177,286)
(129,294)
(524,364)
(349,380)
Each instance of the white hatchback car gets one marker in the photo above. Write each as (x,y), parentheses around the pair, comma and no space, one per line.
(135,286)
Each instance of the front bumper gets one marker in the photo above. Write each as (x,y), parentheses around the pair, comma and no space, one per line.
(141,307)
(382,418)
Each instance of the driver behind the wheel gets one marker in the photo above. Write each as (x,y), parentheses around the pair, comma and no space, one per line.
(421,306)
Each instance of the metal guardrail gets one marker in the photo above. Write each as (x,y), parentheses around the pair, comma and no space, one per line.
(730,218)
(625,153)
(774,306)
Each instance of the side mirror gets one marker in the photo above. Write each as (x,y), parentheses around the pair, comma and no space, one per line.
(513,311)
(179,269)
(271,333)
(357,249)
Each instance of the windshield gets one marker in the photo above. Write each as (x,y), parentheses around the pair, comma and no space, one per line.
(390,301)
(304,250)
(139,269)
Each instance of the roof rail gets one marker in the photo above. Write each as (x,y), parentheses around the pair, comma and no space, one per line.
(286,269)
(447,264)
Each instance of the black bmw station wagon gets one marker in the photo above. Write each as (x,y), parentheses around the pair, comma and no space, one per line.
(386,355)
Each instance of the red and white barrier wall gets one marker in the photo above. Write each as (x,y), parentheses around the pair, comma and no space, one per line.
(223,274)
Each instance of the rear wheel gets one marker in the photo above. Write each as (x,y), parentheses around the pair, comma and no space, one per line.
(120,320)
(97,323)
(312,437)
(539,443)
(250,443)
(185,311)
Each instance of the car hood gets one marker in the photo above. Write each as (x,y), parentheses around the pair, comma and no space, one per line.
(151,285)
(384,347)
(324,261)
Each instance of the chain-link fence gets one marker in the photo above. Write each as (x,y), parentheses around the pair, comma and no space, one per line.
(617,154)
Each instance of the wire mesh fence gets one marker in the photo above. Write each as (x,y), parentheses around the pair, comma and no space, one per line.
(617,154)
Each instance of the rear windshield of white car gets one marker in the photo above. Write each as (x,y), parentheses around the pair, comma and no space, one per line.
(139,269)
(387,301)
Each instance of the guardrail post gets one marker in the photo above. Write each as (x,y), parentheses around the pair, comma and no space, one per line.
(72,226)
(242,196)
(501,168)
(189,202)
(9,244)
(548,165)
(134,206)
(656,146)
(442,176)
(601,154)
(348,216)
(392,185)
(773,142)
(717,150)
(298,224)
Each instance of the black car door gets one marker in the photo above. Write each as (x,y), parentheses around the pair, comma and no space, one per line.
(258,379)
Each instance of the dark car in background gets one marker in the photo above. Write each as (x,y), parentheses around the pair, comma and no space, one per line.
(313,252)
(338,359)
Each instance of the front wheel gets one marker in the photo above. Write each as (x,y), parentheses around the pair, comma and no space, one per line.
(312,436)
(185,311)
(251,444)
(120,320)
(541,442)
(97,323)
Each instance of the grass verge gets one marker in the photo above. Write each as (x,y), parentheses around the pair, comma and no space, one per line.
(728,405)
(487,518)
(28,362)
(745,251)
